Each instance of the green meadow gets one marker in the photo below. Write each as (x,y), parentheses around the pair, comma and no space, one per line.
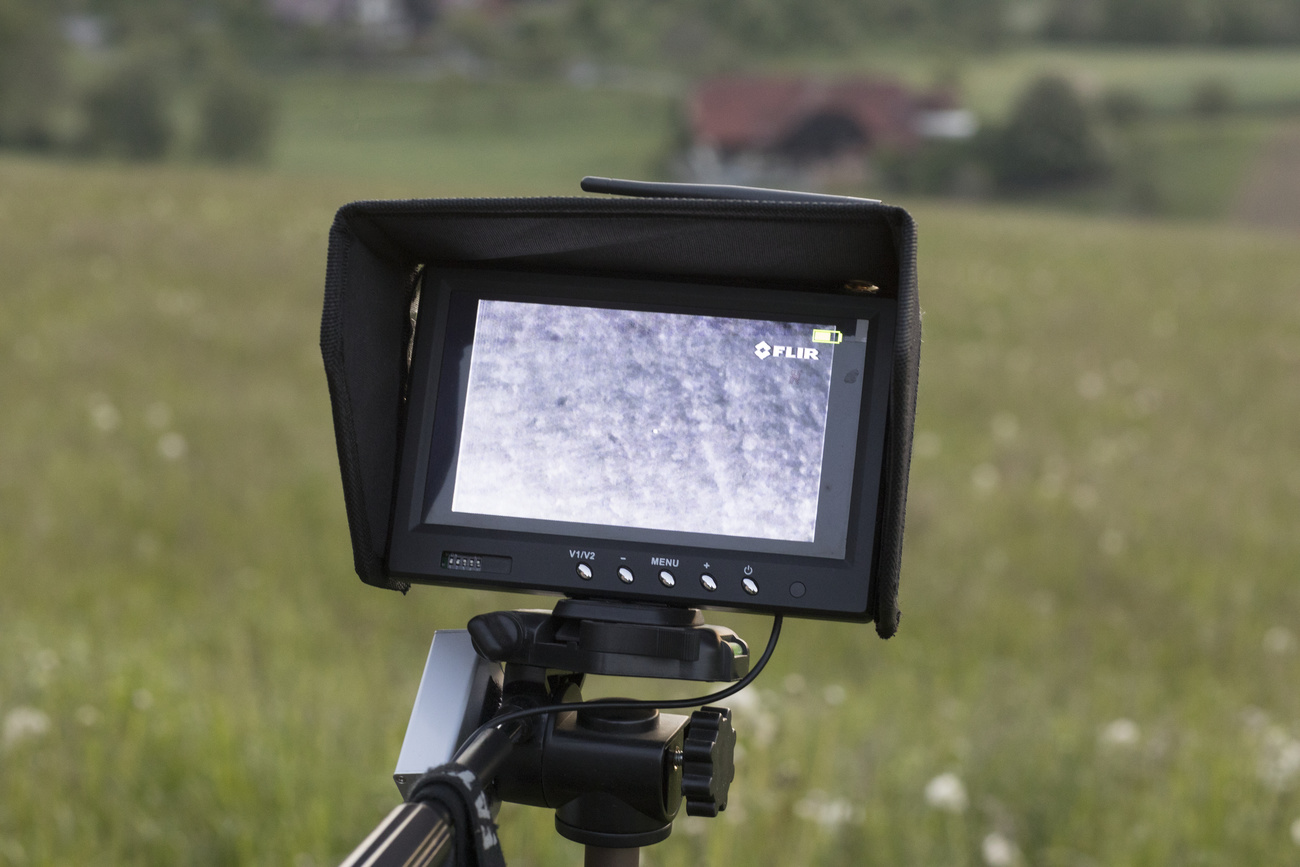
(1100,645)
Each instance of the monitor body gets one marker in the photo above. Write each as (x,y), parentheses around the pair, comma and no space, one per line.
(694,444)
(691,255)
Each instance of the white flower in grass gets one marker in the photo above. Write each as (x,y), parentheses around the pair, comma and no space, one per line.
(834,695)
(762,728)
(985,479)
(1112,543)
(1120,733)
(694,826)
(1279,758)
(826,811)
(103,415)
(172,446)
(1006,428)
(1254,719)
(42,665)
(948,793)
(1091,385)
(1279,640)
(12,851)
(998,851)
(24,722)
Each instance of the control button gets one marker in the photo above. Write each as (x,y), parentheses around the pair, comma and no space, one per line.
(750,587)
(707,580)
(584,571)
(625,575)
(797,589)
(666,578)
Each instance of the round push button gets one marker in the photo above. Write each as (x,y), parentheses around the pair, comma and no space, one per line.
(625,575)
(707,580)
(666,578)
(750,587)
(584,571)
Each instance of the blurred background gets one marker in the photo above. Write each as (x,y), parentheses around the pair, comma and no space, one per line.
(1100,649)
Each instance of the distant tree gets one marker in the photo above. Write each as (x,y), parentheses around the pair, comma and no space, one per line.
(237,115)
(31,73)
(128,114)
(1123,107)
(246,24)
(1049,140)
(1230,22)
(422,14)
(1212,98)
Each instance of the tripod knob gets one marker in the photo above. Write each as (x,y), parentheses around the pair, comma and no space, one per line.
(708,761)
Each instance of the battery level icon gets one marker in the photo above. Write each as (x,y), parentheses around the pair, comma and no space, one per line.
(827,335)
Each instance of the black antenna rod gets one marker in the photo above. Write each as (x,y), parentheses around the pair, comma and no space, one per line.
(655,190)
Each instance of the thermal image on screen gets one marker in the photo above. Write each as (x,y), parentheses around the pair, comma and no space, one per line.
(643,419)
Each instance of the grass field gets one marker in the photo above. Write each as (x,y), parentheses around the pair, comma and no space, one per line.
(448,136)
(1100,633)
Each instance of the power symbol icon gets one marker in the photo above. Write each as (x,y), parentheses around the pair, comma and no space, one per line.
(749,570)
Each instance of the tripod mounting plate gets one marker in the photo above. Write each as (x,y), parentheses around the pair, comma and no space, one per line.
(612,638)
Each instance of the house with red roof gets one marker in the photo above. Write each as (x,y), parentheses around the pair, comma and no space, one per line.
(749,129)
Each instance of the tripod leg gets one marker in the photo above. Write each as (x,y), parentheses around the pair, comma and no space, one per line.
(598,856)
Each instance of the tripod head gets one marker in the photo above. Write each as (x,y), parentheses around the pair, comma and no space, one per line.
(616,775)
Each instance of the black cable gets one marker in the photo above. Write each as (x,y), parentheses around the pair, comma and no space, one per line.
(634,703)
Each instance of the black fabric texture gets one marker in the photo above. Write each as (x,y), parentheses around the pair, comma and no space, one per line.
(460,795)
(375,248)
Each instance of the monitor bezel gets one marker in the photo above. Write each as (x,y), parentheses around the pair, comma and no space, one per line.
(805,585)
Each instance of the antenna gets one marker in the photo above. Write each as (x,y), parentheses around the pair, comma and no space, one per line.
(656,190)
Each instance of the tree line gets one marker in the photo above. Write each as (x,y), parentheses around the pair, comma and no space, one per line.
(677,29)
(144,65)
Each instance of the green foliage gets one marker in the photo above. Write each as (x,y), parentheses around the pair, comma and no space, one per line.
(31,74)
(1225,22)
(1123,106)
(703,34)
(1049,140)
(1212,98)
(943,167)
(245,24)
(237,117)
(129,113)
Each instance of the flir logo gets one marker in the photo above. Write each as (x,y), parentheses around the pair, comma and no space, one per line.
(763,349)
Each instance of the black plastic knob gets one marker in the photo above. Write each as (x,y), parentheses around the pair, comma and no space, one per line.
(496,636)
(708,761)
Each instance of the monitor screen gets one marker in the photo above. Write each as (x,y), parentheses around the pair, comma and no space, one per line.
(594,412)
(633,418)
